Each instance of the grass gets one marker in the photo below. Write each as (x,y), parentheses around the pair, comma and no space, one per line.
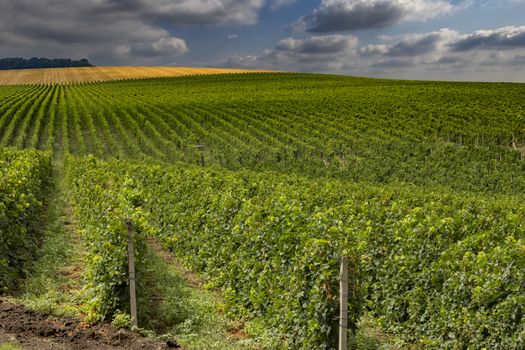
(54,286)
(173,302)
(370,337)
(9,346)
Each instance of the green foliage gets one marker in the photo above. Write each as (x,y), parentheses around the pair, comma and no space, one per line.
(41,62)
(481,288)
(103,207)
(272,250)
(420,183)
(442,269)
(458,135)
(9,346)
(24,175)
(438,267)
(122,320)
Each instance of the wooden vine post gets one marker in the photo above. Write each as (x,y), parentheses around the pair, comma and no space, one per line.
(131,267)
(343,305)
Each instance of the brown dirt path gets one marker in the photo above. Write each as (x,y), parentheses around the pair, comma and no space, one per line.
(32,330)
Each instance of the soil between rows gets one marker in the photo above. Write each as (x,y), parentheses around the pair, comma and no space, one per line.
(33,330)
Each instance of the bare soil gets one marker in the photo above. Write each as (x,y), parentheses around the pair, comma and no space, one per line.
(33,330)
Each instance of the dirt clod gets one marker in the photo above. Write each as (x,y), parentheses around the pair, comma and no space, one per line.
(33,330)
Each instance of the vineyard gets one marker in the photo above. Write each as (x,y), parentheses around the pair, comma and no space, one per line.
(261,182)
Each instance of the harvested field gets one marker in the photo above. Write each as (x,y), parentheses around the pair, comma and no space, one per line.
(96,74)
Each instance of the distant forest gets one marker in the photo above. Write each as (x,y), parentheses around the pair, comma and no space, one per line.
(35,62)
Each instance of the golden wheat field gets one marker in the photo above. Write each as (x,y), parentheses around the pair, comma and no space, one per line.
(95,74)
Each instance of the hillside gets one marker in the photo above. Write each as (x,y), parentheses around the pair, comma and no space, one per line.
(459,135)
(261,182)
(97,74)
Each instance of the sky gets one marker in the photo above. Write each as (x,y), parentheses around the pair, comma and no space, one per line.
(476,40)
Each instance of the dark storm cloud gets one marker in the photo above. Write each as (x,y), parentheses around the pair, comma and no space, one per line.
(499,39)
(114,32)
(361,16)
(192,12)
(118,6)
(450,59)
(416,47)
(65,32)
(349,15)
(412,45)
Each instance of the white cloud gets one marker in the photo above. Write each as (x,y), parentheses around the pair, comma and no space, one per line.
(496,54)
(168,46)
(504,38)
(412,44)
(449,42)
(316,53)
(447,54)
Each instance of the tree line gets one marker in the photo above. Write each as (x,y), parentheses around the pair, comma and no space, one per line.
(35,62)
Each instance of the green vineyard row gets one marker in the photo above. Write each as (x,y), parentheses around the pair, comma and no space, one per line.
(24,175)
(463,136)
(284,274)
(103,206)
(262,182)
(441,269)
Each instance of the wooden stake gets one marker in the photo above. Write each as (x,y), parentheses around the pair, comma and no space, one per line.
(343,305)
(131,267)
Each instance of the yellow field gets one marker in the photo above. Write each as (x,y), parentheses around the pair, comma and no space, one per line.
(94,74)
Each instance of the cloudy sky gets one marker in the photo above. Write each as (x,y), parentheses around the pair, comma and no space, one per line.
(417,39)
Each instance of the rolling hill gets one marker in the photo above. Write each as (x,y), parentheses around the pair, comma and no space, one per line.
(261,182)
